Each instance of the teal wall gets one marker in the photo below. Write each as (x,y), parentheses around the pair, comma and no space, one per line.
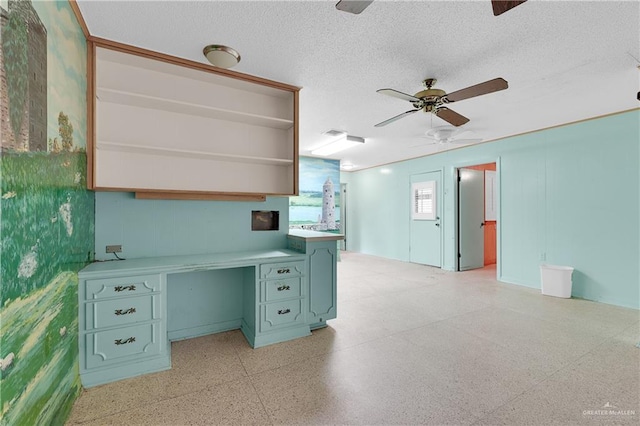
(568,194)
(147,228)
(46,214)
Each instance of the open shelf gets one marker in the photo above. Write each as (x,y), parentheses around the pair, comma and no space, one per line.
(174,152)
(145,101)
(168,127)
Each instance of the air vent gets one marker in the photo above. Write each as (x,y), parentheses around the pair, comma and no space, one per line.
(334,133)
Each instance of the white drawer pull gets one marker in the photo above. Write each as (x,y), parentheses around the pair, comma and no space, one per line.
(125,311)
(283,311)
(284,287)
(284,271)
(125,341)
(120,288)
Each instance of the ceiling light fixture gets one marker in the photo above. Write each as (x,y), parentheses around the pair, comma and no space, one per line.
(340,144)
(347,166)
(221,56)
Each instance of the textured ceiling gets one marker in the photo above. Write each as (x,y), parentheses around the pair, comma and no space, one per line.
(564,60)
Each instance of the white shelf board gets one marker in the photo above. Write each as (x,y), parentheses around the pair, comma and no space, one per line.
(122,147)
(146,101)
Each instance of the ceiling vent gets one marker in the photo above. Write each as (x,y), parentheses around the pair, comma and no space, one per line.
(334,133)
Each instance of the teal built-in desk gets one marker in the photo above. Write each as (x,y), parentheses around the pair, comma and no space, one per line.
(131,310)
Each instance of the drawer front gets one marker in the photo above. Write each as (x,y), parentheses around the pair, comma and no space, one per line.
(281,270)
(123,345)
(286,288)
(124,311)
(281,314)
(122,287)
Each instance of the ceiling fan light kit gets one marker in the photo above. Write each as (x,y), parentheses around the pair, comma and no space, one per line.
(221,56)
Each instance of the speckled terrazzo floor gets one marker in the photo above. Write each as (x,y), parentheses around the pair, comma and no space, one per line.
(411,345)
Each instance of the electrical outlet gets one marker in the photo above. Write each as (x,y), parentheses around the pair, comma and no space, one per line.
(114,249)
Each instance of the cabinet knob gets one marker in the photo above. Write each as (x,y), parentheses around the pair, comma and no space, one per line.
(284,287)
(284,271)
(125,341)
(283,311)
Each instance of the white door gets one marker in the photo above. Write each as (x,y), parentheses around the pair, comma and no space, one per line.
(470,219)
(425,229)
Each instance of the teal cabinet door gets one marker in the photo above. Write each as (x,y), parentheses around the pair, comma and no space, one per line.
(322,282)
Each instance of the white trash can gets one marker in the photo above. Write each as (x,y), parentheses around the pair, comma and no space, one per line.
(556,280)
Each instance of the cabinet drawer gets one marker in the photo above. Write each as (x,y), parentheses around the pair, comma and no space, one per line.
(286,288)
(122,287)
(123,311)
(281,314)
(123,344)
(281,270)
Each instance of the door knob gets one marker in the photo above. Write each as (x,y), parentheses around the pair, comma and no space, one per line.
(482,224)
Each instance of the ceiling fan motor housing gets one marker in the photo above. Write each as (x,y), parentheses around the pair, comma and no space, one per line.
(429,99)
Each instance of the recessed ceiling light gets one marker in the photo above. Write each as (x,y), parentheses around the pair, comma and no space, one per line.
(221,56)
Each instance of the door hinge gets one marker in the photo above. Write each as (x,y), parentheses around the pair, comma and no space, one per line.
(459,255)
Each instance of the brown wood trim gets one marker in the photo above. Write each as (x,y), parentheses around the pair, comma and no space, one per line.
(296,142)
(91,103)
(80,18)
(125,48)
(498,139)
(198,196)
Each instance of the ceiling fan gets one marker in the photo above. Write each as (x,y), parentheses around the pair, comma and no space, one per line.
(433,100)
(357,6)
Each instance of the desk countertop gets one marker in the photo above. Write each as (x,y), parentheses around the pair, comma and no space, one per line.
(303,234)
(186,263)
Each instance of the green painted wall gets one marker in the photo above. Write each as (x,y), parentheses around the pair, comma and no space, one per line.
(148,228)
(46,215)
(568,194)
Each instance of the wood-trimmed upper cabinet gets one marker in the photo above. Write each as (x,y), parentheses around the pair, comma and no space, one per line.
(164,124)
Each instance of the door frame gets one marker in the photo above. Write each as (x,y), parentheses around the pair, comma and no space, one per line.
(456,225)
(343,216)
(440,200)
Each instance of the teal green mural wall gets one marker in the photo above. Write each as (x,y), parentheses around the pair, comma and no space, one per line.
(46,214)
(569,195)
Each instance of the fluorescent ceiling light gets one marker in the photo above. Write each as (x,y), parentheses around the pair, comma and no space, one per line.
(338,145)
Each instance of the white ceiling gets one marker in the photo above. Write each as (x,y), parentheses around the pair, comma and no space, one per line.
(564,60)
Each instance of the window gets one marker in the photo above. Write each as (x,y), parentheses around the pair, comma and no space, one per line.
(490,204)
(423,200)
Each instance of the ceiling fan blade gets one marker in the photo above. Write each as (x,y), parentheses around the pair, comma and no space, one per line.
(397,117)
(352,6)
(451,116)
(477,90)
(501,6)
(399,95)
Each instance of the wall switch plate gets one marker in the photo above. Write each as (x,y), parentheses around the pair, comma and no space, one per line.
(114,249)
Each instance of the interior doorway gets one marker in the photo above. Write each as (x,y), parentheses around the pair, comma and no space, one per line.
(476,209)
